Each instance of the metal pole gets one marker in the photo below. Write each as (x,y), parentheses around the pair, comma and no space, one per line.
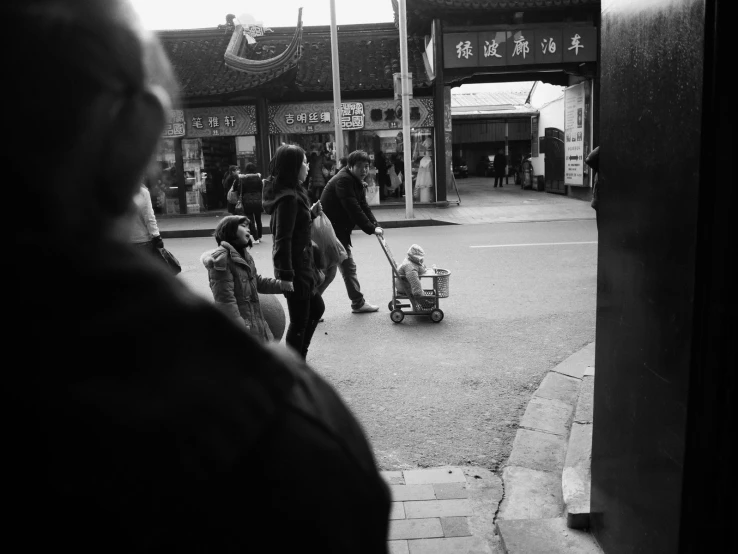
(337,112)
(406,143)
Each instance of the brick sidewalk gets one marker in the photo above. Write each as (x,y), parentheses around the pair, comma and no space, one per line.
(443,510)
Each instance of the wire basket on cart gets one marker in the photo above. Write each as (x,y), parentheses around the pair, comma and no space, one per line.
(442,283)
(428,305)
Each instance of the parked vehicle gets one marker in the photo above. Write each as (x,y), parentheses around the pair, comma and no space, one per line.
(489,171)
(459,168)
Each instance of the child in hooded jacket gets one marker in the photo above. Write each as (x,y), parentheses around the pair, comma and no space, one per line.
(233,278)
(410,270)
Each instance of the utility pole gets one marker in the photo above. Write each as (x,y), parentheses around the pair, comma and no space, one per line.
(337,111)
(406,141)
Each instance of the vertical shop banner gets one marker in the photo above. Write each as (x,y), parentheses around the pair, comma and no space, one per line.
(175,126)
(574,124)
(534,136)
(220,121)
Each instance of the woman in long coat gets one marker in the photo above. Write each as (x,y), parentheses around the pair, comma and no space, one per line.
(292,254)
(233,278)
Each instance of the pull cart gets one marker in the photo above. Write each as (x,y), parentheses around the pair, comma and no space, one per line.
(402,305)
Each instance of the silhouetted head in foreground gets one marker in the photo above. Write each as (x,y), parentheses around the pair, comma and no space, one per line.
(87,74)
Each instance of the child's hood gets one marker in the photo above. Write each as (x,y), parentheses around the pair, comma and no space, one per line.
(416,254)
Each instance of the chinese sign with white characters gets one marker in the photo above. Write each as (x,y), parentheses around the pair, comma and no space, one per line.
(175,124)
(227,121)
(576,132)
(520,47)
(352,116)
(369,114)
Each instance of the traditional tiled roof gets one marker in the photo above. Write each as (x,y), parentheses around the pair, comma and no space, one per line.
(368,57)
(421,12)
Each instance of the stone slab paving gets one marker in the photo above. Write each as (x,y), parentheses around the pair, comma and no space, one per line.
(443,510)
(545,536)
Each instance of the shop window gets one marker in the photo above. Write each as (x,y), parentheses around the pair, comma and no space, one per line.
(385,150)
(162,177)
(245,151)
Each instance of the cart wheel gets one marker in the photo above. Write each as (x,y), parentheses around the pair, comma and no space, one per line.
(397,316)
(436,316)
(391,305)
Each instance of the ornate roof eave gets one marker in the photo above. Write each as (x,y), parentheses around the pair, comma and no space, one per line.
(273,67)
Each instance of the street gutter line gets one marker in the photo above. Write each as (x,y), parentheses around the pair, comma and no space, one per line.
(532,244)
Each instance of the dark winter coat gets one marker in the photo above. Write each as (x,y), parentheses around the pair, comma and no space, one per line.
(291,225)
(344,202)
(251,188)
(236,286)
(151,422)
(499,164)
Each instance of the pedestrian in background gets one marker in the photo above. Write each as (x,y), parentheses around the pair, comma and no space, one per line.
(316,176)
(500,167)
(291,223)
(593,161)
(144,231)
(344,202)
(234,280)
(230,180)
(251,196)
(151,421)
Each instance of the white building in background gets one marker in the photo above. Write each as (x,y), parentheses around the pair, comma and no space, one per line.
(549,101)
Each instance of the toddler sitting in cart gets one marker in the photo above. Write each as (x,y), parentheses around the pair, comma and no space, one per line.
(409,272)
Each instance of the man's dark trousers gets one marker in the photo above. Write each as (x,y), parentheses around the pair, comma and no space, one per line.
(348,271)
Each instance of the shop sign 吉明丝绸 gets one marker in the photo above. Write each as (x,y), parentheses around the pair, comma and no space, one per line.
(314,118)
(520,47)
(220,121)
(366,115)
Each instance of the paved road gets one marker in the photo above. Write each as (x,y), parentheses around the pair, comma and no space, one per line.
(451,393)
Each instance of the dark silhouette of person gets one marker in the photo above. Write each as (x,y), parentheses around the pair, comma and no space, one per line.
(500,166)
(135,431)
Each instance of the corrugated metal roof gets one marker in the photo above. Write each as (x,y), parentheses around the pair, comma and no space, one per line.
(488,99)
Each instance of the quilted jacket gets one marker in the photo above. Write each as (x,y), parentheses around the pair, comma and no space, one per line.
(236,284)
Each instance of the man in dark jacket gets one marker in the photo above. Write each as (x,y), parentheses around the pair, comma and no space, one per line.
(132,432)
(500,165)
(344,202)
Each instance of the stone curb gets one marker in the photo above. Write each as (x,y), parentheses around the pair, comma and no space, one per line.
(195,233)
(577,475)
(533,474)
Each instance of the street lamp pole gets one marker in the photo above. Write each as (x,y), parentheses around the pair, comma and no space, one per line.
(406,142)
(337,112)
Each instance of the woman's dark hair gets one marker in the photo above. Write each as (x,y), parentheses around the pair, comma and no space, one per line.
(226,229)
(250,168)
(288,161)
